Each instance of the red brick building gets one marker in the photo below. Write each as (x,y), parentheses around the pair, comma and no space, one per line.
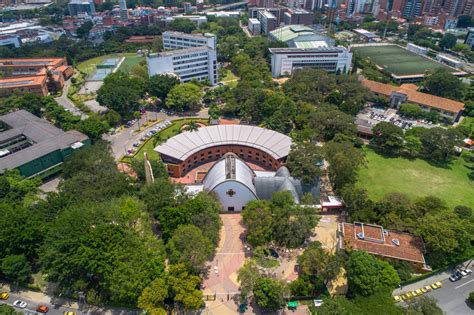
(387,244)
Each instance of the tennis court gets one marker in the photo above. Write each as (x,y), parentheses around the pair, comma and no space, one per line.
(398,61)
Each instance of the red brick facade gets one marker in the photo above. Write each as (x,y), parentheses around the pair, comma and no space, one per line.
(214,153)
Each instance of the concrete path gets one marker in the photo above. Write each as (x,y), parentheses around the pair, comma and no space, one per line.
(65,102)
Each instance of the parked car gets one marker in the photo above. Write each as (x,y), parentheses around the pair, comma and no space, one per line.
(20,304)
(42,309)
(437,285)
(4,295)
(455,277)
(426,288)
(137,144)
(465,272)
(397,298)
(69,313)
(419,292)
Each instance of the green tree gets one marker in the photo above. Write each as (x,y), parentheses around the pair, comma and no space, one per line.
(84,29)
(463,212)
(439,143)
(327,122)
(93,127)
(121,93)
(448,41)
(442,83)
(16,269)
(257,218)
(183,97)
(423,305)
(412,145)
(8,310)
(269,294)
(247,276)
(367,274)
(161,85)
(153,296)
(304,161)
(344,160)
(317,262)
(388,137)
(184,288)
(411,110)
(182,25)
(471,297)
(193,254)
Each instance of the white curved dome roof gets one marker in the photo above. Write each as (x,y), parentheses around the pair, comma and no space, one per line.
(187,143)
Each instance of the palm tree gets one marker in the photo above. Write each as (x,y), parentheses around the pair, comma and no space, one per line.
(192,126)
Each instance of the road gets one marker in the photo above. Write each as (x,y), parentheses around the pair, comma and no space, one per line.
(65,102)
(59,306)
(452,297)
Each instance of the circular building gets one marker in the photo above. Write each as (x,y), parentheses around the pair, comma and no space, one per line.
(190,149)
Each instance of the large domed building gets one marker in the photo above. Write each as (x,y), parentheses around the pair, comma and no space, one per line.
(245,163)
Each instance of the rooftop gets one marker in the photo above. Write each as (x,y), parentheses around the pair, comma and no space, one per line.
(21,81)
(414,96)
(374,239)
(44,137)
(306,50)
(178,52)
(194,35)
(187,143)
(293,32)
(28,62)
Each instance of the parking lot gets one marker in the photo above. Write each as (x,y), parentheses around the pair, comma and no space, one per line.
(145,135)
(375,115)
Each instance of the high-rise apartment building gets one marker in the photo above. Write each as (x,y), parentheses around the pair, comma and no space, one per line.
(123,11)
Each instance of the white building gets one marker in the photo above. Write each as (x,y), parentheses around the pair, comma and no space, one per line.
(191,63)
(331,59)
(123,11)
(417,49)
(255,27)
(198,19)
(178,40)
(469,40)
(10,41)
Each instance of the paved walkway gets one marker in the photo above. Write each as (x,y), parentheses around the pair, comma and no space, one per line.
(65,102)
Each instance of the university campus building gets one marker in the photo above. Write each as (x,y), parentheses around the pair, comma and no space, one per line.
(29,75)
(449,110)
(194,57)
(245,163)
(34,146)
(386,244)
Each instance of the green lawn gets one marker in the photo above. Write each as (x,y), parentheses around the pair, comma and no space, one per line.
(229,79)
(160,137)
(129,62)
(398,60)
(417,178)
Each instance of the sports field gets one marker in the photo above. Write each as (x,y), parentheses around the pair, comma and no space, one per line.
(417,178)
(397,60)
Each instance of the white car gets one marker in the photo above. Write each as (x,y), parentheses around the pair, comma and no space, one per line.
(20,304)
(465,272)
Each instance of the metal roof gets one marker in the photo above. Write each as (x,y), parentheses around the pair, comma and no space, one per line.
(45,137)
(230,168)
(187,143)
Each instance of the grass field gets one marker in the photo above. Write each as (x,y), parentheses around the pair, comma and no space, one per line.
(397,60)
(88,66)
(417,178)
(129,62)
(229,79)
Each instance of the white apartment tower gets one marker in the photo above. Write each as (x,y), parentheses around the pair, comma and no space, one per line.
(193,56)
(123,11)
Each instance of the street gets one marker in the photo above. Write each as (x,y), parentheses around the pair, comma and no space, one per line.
(452,297)
(67,103)
(58,306)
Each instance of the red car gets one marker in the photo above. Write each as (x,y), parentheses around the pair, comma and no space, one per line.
(42,309)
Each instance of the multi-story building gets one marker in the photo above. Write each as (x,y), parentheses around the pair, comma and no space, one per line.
(332,59)
(123,11)
(449,110)
(255,27)
(191,63)
(81,7)
(297,16)
(178,40)
(19,85)
(34,146)
(10,41)
(26,67)
(300,36)
(470,38)
(268,21)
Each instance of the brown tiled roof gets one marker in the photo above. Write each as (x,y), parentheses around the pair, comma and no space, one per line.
(409,86)
(377,243)
(414,96)
(22,81)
